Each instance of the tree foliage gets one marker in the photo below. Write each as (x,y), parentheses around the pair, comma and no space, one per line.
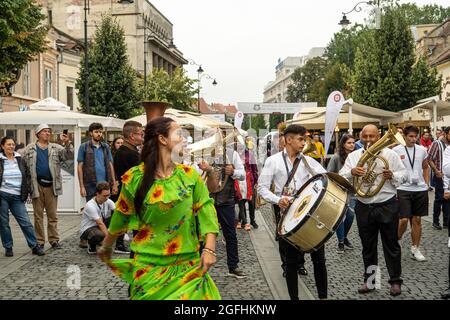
(176,89)
(112,80)
(304,79)
(258,122)
(22,35)
(384,75)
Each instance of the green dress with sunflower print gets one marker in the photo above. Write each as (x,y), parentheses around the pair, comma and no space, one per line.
(166,246)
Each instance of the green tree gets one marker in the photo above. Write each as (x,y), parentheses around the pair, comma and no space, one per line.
(258,122)
(176,89)
(112,80)
(276,119)
(22,35)
(383,75)
(425,81)
(342,48)
(334,79)
(303,80)
(427,14)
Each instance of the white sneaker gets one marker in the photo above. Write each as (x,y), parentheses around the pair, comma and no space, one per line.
(418,255)
(448,242)
(413,250)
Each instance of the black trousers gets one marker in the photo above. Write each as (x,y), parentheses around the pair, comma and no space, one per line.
(320,270)
(440,202)
(226,217)
(243,211)
(282,248)
(374,219)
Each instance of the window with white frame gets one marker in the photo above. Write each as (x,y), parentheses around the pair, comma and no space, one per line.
(48,83)
(26,80)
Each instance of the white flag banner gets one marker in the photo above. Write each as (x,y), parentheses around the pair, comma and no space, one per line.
(238,119)
(334,105)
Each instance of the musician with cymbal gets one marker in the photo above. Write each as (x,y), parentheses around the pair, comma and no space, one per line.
(290,170)
(376,171)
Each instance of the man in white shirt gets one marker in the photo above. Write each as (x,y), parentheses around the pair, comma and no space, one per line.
(379,213)
(96,216)
(277,169)
(446,177)
(413,194)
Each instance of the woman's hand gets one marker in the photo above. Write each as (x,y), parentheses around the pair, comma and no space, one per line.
(207,260)
(104,253)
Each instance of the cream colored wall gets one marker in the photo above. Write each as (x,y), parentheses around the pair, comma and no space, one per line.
(68,71)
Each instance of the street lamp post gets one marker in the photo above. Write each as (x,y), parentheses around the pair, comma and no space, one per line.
(357,8)
(86,65)
(200,76)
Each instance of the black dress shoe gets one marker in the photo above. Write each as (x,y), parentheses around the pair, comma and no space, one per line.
(254,225)
(446,294)
(38,250)
(365,289)
(302,271)
(437,226)
(56,245)
(396,289)
(9,252)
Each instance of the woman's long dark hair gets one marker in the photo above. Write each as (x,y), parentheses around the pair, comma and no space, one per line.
(149,155)
(341,149)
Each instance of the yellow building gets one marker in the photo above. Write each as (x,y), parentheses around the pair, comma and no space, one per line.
(433,42)
(52,74)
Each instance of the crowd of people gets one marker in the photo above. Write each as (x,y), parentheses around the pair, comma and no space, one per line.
(162,212)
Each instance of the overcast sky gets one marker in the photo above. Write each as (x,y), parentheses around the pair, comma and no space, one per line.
(239,42)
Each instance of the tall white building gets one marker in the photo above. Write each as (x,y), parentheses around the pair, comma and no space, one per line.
(276,90)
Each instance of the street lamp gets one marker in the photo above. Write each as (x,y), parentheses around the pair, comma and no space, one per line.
(200,76)
(357,8)
(86,65)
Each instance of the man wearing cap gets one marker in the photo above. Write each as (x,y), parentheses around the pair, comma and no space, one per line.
(44,160)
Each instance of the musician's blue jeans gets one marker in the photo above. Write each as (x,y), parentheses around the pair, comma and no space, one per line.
(346,224)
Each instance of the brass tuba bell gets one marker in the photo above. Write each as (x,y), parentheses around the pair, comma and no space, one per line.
(370,156)
(309,146)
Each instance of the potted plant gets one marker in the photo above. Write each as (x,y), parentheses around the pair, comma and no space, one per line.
(155,94)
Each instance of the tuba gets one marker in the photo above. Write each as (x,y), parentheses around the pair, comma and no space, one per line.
(309,146)
(369,157)
(216,146)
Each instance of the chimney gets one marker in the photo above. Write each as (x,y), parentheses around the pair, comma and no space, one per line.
(154,109)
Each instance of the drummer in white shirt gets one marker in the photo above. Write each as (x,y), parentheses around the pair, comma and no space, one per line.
(413,194)
(277,169)
(379,213)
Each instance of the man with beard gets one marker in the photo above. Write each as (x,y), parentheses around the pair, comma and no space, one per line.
(95,163)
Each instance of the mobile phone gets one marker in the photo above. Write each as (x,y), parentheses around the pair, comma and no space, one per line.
(65,131)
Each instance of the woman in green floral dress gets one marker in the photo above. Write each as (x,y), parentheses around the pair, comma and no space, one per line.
(160,200)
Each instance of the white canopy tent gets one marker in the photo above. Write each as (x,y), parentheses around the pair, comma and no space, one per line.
(435,105)
(58,116)
(317,120)
(189,120)
(383,117)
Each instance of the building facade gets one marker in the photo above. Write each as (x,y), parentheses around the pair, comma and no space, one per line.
(148,33)
(52,74)
(276,91)
(434,44)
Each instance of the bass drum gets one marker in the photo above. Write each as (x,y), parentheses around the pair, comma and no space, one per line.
(316,212)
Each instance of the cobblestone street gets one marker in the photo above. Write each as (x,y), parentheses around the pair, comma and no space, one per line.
(422,280)
(46,277)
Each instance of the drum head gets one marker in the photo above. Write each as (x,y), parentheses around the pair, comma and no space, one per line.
(302,205)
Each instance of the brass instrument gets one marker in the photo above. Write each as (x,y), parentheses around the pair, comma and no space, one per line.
(216,146)
(309,146)
(370,156)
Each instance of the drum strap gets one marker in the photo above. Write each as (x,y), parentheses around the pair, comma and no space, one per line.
(292,173)
(307,166)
